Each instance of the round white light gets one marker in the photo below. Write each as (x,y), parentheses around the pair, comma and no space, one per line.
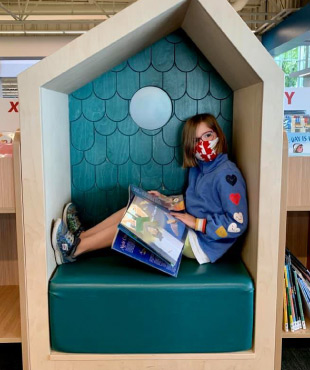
(150,107)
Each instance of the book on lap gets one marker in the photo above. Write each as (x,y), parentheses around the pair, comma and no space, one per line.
(149,233)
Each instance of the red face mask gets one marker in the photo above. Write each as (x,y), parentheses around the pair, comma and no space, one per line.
(205,150)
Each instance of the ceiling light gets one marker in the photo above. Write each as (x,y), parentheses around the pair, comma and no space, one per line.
(44,32)
(11,32)
(74,32)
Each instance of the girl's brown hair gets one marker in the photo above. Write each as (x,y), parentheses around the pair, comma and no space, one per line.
(189,137)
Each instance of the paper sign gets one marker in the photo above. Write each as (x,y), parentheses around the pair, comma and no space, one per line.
(298,144)
(297,99)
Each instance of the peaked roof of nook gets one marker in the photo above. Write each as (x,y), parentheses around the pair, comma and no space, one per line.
(213,26)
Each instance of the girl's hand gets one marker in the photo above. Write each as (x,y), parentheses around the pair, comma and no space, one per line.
(186,218)
(154,192)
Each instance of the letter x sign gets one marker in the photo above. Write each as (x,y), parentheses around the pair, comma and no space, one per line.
(13,107)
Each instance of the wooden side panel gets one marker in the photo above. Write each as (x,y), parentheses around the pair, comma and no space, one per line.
(8,250)
(9,314)
(297,234)
(56,161)
(21,251)
(279,317)
(298,196)
(7,200)
(246,145)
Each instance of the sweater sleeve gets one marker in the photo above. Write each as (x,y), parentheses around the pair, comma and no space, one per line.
(233,219)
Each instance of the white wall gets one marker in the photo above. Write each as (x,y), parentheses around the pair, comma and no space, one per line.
(56,162)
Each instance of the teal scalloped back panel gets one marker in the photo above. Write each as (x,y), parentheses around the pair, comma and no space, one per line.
(109,151)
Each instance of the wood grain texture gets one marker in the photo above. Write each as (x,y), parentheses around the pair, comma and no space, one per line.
(242,355)
(20,250)
(7,197)
(9,314)
(297,234)
(281,257)
(8,250)
(298,192)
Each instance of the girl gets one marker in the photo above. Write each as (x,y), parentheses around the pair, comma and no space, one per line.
(216,204)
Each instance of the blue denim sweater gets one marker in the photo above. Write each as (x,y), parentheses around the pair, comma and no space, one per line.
(216,196)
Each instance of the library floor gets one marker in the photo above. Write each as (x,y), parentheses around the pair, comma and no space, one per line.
(296,355)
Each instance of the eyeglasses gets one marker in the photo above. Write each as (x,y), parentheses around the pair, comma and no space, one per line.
(205,137)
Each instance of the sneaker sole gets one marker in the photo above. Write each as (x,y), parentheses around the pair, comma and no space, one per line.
(64,213)
(58,255)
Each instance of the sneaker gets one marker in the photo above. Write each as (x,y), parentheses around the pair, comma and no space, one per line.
(63,242)
(71,220)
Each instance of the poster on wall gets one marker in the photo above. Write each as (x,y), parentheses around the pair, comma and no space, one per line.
(297,120)
(9,115)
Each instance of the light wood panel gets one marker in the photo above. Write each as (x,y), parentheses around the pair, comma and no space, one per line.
(9,314)
(21,251)
(297,234)
(281,256)
(7,197)
(8,250)
(298,197)
(242,355)
(7,210)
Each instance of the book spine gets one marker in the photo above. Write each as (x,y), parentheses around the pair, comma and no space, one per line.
(293,293)
(299,302)
(285,319)
(289,307)
(291,299)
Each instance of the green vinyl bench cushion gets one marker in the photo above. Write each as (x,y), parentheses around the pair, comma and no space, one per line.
(108,303)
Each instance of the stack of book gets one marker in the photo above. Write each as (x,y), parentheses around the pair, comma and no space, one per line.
(296,293)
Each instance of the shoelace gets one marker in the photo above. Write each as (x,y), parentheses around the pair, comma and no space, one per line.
(69,236)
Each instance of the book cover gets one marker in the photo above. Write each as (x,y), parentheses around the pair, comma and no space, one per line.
(289,304)
(285,316)
(304,297)
(125,245)
(299,301)
(154,227)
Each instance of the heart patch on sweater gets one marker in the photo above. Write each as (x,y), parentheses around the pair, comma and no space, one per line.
(231,179)
(221,232)
(238,216)
(233,228)
(235,198)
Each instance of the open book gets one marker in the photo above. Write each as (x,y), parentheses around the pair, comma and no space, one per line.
(149,233)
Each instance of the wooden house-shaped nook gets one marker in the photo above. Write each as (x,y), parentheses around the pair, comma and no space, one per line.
(80,141)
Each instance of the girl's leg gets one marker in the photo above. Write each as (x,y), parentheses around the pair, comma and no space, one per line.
(112,220)
(98,240)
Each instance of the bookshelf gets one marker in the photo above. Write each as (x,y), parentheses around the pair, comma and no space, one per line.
(10,327)
(295,233)
(300,333)
(10,322)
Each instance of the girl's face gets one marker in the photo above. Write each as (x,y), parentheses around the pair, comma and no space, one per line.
(204,132)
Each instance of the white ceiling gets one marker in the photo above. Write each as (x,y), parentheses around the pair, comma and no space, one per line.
(78,16)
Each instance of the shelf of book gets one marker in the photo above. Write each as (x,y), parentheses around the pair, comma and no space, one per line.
(299,333)
(10,326)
